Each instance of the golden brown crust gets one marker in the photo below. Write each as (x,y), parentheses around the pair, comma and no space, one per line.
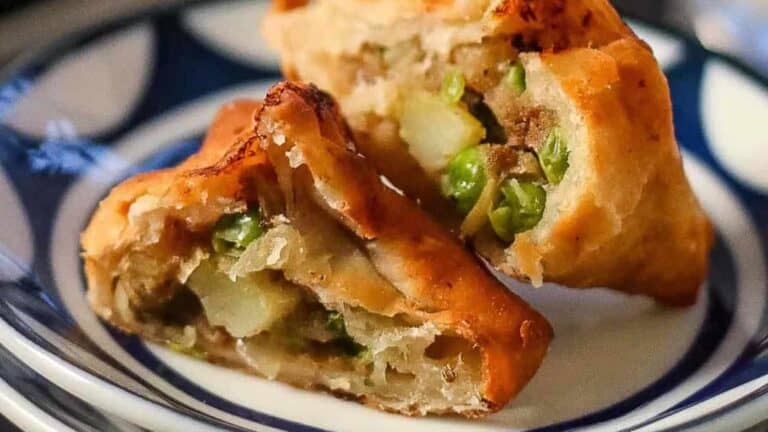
(537,24)
(631,223)
(109,234)
(108,224)
(574,23)
(634,223)
(442,283)
(560,24)
(440,278)
(665,236)
(233,120)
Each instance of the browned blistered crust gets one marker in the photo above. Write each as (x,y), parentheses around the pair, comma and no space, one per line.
(438,279)
(636,225)
(446,283)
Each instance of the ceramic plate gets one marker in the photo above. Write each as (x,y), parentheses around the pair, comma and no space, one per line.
(137,95)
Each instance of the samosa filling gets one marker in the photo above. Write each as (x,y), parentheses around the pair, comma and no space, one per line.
(496,168)
(243,290)
(247,303)
(472,123)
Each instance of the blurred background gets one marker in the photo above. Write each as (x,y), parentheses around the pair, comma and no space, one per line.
(737,27)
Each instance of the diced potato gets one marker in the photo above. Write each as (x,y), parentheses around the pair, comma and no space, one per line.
(247,306)
(435,130)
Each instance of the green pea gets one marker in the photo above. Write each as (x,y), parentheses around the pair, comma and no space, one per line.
(335,323)
(234,232)
(520,209)
(553,157)
(343,341)
(453,86)
(501,221)
(465,178)
(515,78)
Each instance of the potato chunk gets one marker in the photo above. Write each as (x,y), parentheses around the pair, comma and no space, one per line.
(435,130)
(246,306)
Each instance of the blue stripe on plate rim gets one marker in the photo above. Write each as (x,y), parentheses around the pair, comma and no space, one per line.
(702,152)
(34,403)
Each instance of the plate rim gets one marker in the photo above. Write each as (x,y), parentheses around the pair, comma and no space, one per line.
(77,382)
(24,414)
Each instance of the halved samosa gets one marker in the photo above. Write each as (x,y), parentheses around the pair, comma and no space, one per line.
(543,126)
(278,249)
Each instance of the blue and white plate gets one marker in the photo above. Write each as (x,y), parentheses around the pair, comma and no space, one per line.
(137,94)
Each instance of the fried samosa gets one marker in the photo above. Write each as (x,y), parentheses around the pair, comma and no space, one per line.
(541,129)
(278,249)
